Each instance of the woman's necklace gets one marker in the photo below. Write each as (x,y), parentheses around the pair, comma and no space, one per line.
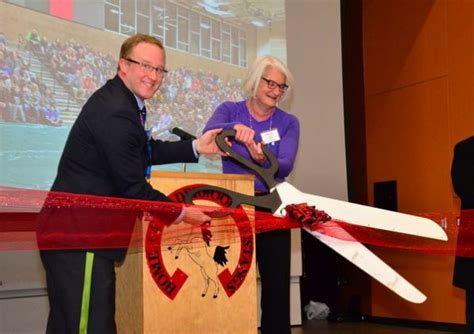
(268,136)
(250,118)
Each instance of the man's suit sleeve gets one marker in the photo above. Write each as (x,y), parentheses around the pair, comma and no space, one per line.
(122,147)
(165,152)
(462,172)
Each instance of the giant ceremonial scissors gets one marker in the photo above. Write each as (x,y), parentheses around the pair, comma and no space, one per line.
(283,194)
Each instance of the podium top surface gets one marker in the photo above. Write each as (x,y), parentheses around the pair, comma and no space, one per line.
(198,175)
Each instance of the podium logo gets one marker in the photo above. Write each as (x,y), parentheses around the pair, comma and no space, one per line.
(199,250)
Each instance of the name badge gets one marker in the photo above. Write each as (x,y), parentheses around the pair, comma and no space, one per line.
(270,136)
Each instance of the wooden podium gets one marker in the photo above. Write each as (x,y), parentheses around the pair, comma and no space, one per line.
(175,286)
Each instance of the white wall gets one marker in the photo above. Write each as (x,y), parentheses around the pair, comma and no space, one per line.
(314,57)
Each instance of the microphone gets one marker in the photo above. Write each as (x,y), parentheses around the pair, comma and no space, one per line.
(182,134)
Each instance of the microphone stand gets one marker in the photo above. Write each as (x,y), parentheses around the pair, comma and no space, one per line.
(183,135)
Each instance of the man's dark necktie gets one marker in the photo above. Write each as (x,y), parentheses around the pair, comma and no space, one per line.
(142,113)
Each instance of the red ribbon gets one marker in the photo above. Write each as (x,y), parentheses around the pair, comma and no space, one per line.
(33,219)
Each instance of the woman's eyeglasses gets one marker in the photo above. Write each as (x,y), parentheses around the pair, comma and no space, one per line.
(272,85)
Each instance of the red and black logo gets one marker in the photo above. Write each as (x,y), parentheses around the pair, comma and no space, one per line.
(208,258)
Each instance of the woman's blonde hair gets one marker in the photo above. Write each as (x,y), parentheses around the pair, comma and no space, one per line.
(257,70)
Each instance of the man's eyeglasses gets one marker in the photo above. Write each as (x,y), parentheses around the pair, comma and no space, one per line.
(272,85)
(148,68)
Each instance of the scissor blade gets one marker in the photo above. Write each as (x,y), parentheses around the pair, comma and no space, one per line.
(363,258)
(362,215)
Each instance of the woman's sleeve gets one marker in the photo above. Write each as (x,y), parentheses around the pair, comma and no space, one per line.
(222,117)
(288,148)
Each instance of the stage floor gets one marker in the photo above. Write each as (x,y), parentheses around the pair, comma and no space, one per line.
(363,327)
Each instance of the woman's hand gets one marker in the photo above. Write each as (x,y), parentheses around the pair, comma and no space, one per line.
(244,134)
(256,152)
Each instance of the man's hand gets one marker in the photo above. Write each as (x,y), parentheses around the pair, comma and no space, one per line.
(195,216)
(206,144)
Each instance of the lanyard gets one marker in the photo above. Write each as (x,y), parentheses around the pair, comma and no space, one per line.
(142,113)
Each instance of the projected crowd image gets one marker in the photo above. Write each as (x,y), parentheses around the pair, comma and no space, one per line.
(187,98)
(47,76)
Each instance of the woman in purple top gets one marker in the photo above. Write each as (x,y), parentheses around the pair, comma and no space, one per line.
(258,121)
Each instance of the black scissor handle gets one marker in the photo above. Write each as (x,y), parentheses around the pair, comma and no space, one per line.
(267,174)
(270,201)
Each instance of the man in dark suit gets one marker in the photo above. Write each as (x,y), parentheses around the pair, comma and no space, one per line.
(462,175)
(108,153)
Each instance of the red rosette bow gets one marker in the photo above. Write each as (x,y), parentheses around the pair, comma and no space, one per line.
(307,215)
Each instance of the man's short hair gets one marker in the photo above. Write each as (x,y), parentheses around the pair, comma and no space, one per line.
(132,41)
(129,44)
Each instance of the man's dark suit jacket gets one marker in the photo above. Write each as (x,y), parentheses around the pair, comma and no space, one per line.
(106,152)
(462,175)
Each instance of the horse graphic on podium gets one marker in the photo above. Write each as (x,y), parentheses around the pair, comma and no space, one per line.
(206,257)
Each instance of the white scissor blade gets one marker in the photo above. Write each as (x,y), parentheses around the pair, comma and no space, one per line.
(362,215)
(363,258)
